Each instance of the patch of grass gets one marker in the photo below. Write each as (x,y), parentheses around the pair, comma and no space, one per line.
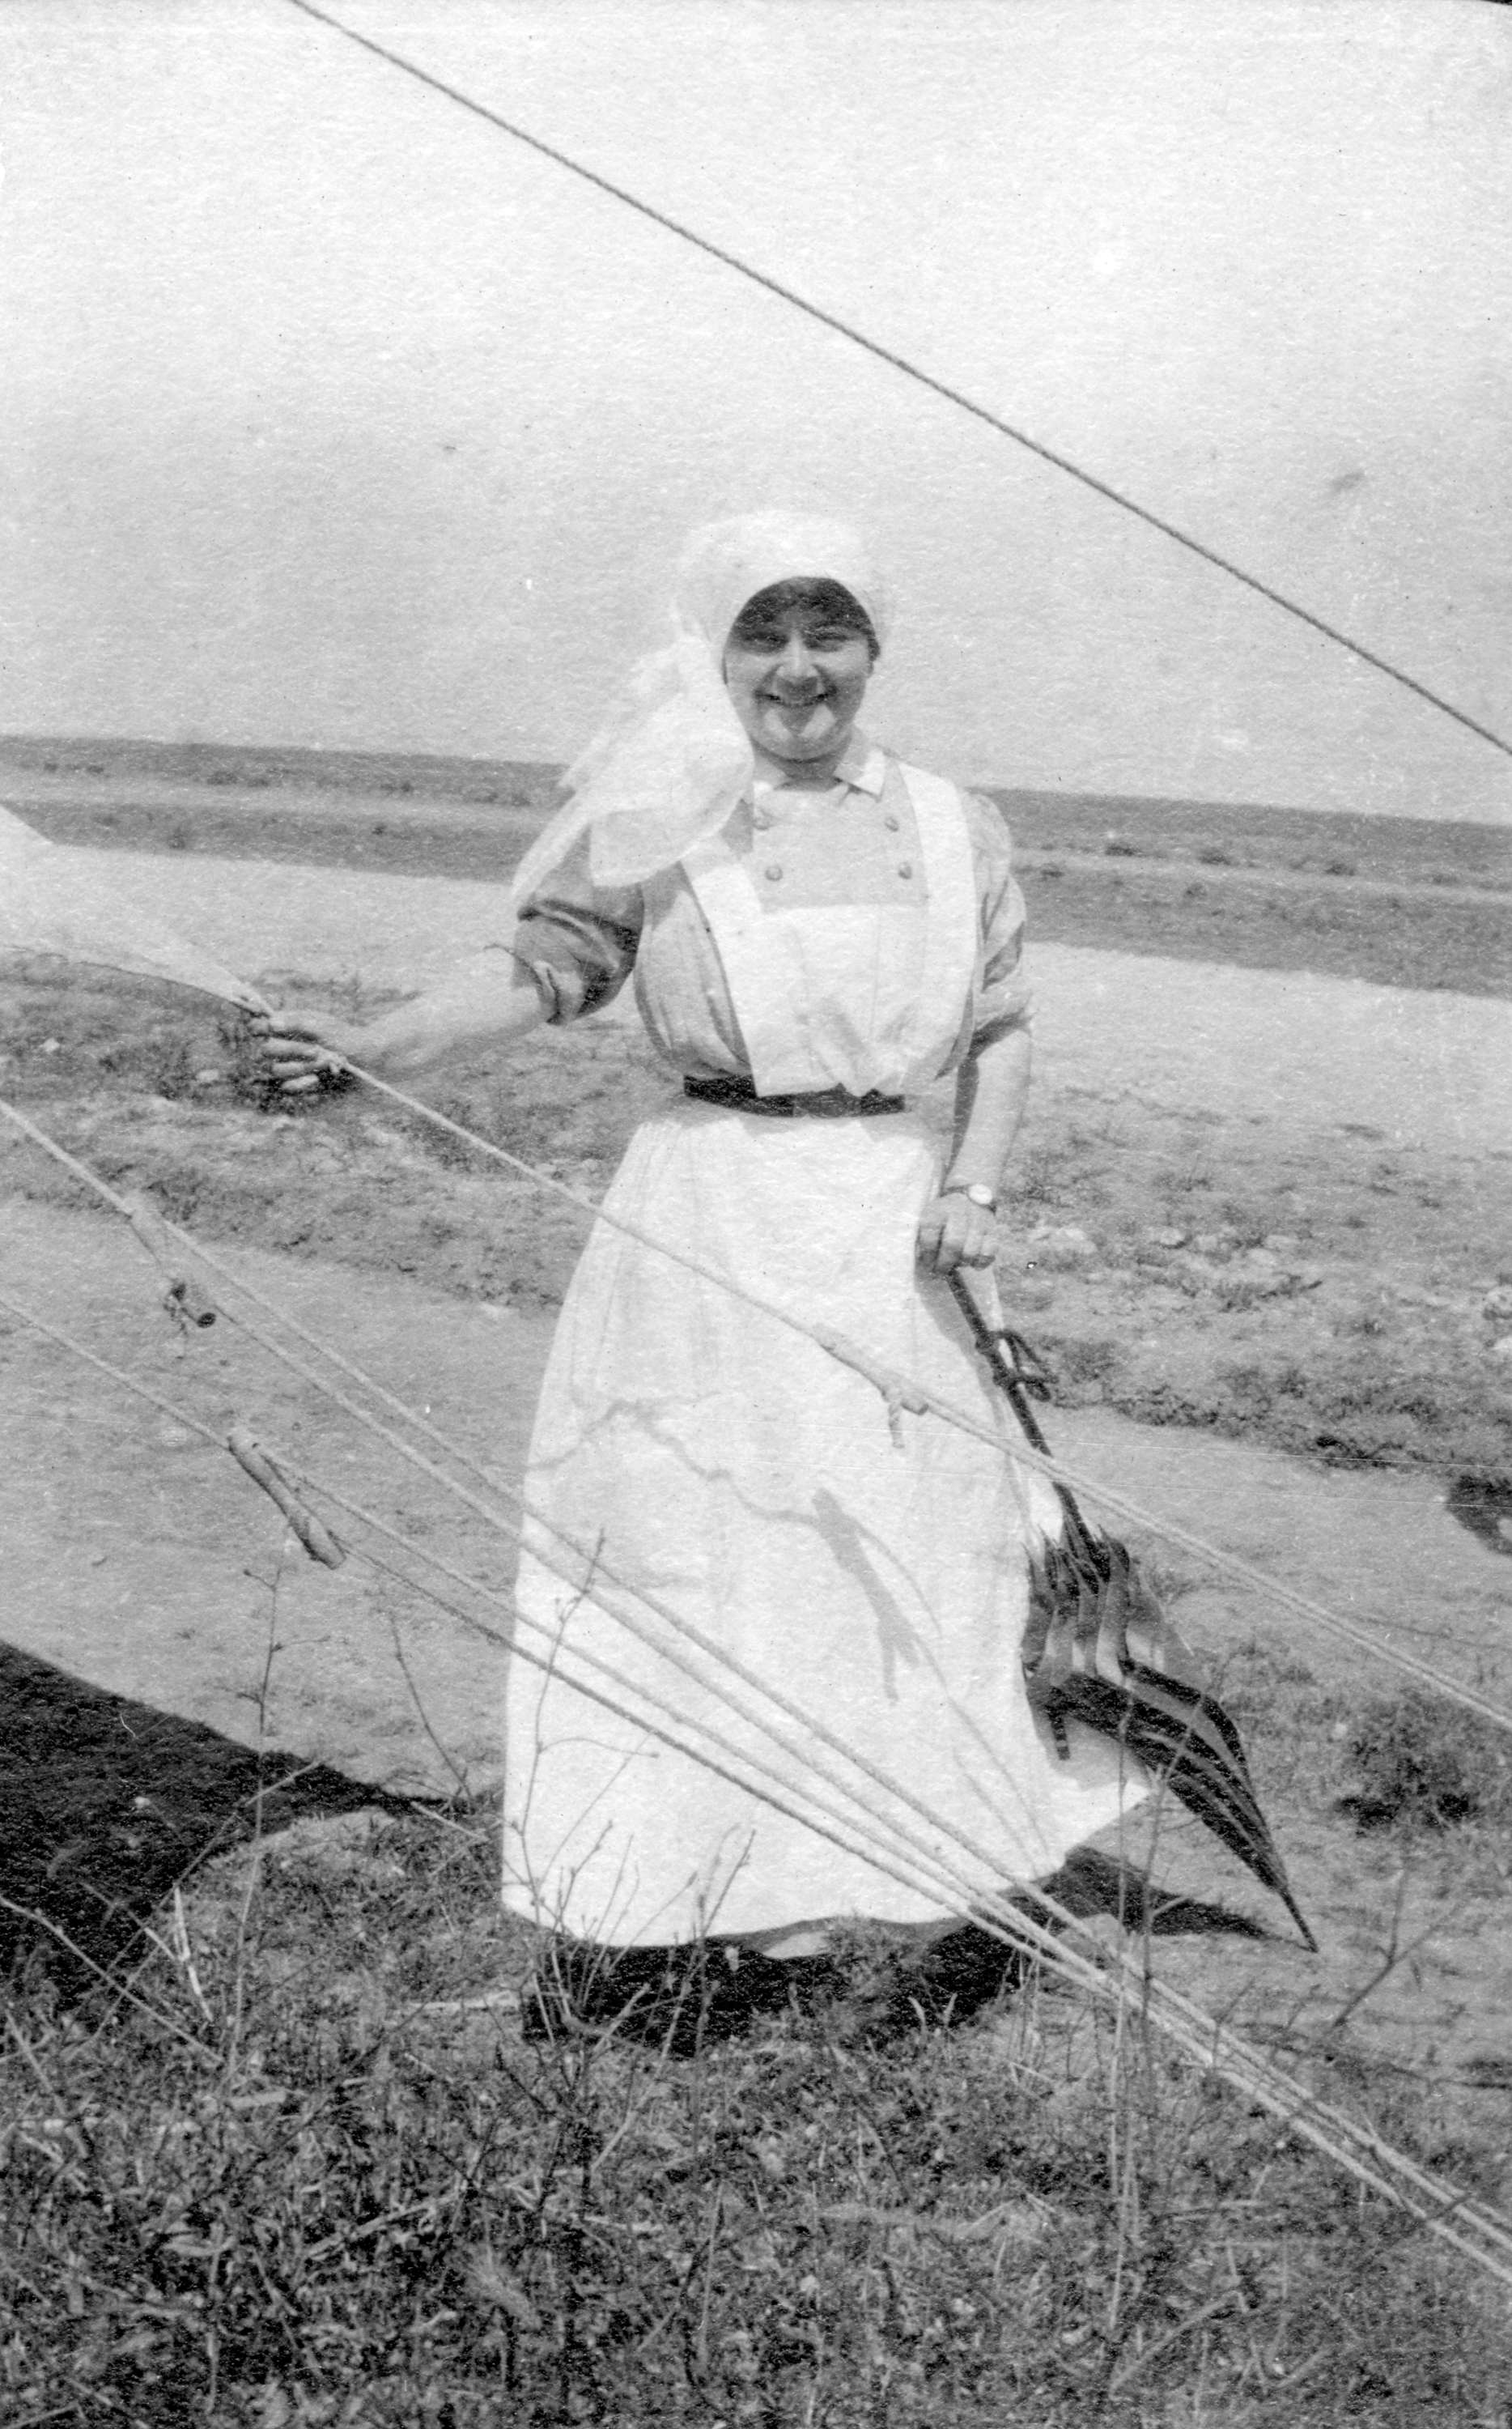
(1187,1177)
(1046,1178)
(99,1030)
(1247,1225)
(1428,1763)
(1078,1361)
(1120,900)
(298,2167)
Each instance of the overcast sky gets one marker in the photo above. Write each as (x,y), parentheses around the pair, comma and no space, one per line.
(329,415)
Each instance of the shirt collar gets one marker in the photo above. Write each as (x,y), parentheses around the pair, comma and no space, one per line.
(862,765)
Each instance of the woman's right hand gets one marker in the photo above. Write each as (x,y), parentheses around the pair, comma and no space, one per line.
(303,1050)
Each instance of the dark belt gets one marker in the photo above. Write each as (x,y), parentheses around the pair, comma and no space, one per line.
(826,1104)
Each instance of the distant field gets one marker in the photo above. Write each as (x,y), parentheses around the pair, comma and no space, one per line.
(1401,901)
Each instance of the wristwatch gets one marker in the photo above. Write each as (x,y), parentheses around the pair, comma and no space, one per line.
(976,1191)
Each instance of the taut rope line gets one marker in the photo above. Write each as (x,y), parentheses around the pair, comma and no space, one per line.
(898,1390)
(1446,2211)
(912,370)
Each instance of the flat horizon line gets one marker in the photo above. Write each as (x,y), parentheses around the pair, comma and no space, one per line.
(480,767)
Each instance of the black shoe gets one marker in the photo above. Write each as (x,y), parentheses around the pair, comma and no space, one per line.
(952,1980)
(960,1974)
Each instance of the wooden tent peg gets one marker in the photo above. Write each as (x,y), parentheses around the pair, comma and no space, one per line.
(317,1540)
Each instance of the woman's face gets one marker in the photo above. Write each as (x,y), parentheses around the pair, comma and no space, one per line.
(796,673)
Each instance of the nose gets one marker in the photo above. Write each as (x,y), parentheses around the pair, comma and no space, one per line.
(796,667)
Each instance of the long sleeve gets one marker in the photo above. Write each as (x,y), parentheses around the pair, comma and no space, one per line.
(579,940)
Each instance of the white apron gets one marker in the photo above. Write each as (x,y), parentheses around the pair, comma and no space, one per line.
(746,1483)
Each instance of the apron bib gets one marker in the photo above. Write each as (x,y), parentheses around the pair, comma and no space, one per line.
(860,997)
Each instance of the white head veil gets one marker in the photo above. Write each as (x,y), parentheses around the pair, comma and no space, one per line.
(671,759)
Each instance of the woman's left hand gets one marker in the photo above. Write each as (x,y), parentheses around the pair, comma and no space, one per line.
(953,1231)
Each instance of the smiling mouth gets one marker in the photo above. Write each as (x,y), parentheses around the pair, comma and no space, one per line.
(803,718)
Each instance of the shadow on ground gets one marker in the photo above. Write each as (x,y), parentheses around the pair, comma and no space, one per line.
(1484,1505)
(106,1802)
(1089,1883)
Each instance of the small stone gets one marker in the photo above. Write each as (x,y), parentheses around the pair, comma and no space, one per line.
(1282,1244)
(51,1046)
(173,1437)
(1497,1305)
(1209,1244)
(1502,1350)
(1168,1238)
(1261,1261)
(209,1079)
(1306,1277)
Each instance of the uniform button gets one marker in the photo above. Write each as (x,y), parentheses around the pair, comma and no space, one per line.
(773,872)
(890,822)
(905,869)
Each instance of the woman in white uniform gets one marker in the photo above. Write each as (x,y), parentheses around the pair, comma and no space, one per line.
(816,932)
